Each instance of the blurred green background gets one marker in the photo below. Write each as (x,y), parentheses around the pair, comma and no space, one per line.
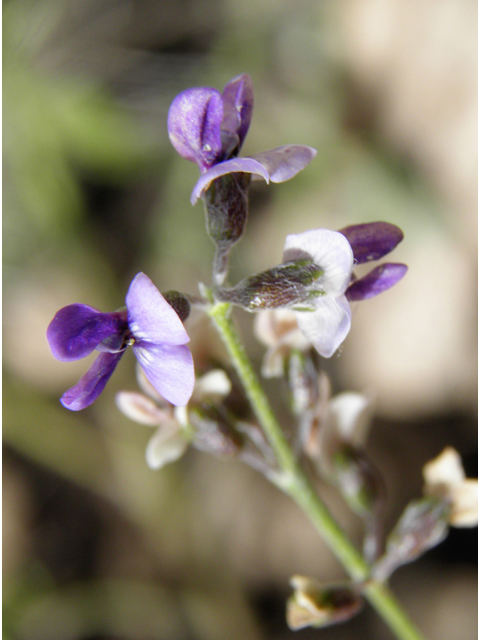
(97,546)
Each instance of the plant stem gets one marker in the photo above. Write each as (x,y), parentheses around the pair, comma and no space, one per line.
(294,482)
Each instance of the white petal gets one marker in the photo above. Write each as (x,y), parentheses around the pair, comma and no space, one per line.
(464,497)
(166,445)
(326,327)
(330,250)
(352,413)
(214,385)
(446,469)
(273,326)
(141,409)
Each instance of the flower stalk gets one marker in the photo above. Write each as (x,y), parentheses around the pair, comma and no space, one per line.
(295,483)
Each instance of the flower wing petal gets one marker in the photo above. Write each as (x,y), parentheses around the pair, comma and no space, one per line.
(282,163)
(91,385)
(194,121)
(169,368)
(235,165)
(76,330)
(166,445)
(330,250)
(376,281)
(373,240)
(150,317)
(326,327)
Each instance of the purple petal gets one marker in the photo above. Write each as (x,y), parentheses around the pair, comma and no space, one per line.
(194,121)
(237,108)
(78,329)
(282,163)
(169,368)
(326,327)
(373,240)
(91,385)
(235,165)
(378,280)
(329,250)
(150,317)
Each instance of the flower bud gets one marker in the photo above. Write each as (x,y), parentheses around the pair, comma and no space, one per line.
(423,525)
(315,605)
(288,284)
(179,302)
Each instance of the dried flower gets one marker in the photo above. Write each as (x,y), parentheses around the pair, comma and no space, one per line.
(445,478)
(318,605)
(148,324)
(209,128)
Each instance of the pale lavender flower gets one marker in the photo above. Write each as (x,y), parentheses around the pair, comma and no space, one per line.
(209,128)
(148,324)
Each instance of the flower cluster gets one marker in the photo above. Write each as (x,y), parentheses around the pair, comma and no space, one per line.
(303,311)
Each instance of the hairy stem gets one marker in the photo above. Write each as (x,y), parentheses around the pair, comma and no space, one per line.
(296,484)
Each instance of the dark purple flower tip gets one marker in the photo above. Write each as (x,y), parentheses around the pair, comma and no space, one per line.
(194,122)
(78,329)
(237,113)
(91,385)
(376,281)
(373,240)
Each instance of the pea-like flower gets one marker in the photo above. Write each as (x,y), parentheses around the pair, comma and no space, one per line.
(322,312)
(209,128)
(148,324)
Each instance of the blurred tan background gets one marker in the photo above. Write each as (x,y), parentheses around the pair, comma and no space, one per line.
(96,545)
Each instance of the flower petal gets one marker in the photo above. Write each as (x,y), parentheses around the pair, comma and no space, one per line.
(194,121)
(373,240)
(91,385)
(376,281)
(169,368)
(141,409)
(214,385)
(78,329)
(352,413)
(326,327)
(464,497)
(330,250)
(282,163)
(150,317)
(237,109)
(235,165)
(446,469)
(166,445)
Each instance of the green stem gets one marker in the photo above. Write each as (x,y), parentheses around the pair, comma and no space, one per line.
(297,485)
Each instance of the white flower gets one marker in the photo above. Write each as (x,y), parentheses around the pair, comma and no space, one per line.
(445,478)
(278,330)
(171,439)
(325,320)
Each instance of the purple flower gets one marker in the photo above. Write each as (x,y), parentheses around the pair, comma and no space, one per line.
(209,127)
(149,324)
(372,241)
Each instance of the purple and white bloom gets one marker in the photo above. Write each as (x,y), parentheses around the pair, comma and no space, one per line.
(324,319)
(209,128)
(148,324)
